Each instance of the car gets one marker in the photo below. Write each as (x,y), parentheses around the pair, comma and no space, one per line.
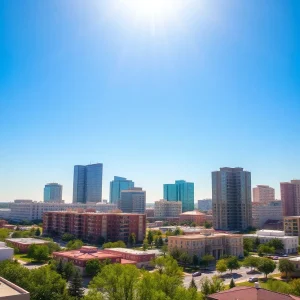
(275,257)
(253,279)
(197,274)
(284,255)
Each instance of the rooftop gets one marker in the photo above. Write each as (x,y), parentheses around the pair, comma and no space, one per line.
(7,289)
(131,251)
(27,241)
(202,236)
(250,293)
(193,213)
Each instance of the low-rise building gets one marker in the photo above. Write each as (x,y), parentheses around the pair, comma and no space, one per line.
(30,210)
(24,243)
(10,291)
(263,211)
(250,293)
(92,226)
(296,263)
(167,209)
(141,258)
(196,217)
(292,226)
(81,256)
(5,252)
(217,245)
(290,243)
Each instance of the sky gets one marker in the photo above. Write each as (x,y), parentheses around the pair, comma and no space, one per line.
(156,94)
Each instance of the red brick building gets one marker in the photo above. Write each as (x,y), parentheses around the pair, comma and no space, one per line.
(195,216)
(2,223)
(92,226)
(24,243)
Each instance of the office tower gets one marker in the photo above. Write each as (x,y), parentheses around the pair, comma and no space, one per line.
(290,196)
(87,183)
(53,192)
(116,186)
(231,199)
(180,191)
(167,209)
(263,193)
(133,201)
(205,204)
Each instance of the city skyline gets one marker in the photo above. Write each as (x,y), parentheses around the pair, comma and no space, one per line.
(215,84)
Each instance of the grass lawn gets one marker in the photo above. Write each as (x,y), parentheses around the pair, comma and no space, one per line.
(22,256)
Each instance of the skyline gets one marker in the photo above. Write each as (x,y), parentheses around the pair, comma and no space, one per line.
(155,100)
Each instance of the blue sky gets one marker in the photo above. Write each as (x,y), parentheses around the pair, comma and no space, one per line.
(216,84)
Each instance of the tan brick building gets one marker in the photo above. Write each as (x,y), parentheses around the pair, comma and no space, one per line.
(216,245)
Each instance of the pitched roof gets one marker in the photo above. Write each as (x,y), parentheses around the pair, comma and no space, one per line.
(250,293)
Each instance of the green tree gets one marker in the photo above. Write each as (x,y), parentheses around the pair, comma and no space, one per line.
(38,232)
(118,244)
(295,286)
(132,239)
(211,286)
(256,243)
(266,266)
(185,258)
(150,238)
(145,244)
(248,244)
(53,247)
(207,225)
(265,249)
(93,295)
(276,244)
(178,231)
(286,266)
(31,251)
(206,259)
(4,234)
(160,242)
(74,244)
(251,262)
(221,266)
(60,267)
(66,237)
(232,284)
(193,284)
(195,260)
(41,253)
(164,249)
(175,253)
(75,288)
(116,281)
(93,267)
(232,263)
(68,270)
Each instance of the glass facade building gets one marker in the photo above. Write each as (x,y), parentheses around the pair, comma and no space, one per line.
(116,186)
(53,192)
(231,199)
(180,191)
(87,183)
(133,201)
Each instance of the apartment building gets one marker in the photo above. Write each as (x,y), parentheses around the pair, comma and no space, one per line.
(92,226)
(263,193)
(30,210)
(290,197)
(264,211)
(292,226)
(167,209)
(215,244)
(231,199)
(290,242)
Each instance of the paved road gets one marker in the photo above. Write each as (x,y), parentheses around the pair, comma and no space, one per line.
(238,276)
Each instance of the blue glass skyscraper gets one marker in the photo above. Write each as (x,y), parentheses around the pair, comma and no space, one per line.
(180,191)
(116,186)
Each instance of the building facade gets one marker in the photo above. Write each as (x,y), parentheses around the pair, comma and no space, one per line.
(231,199)
(196,217)
(180,191)
(92,226)
(290,197)
(87,183)
(263,193)
(53,192)
(30,210)
(5,252)
(116,186)
(290,242)
(133,201)
(24,243)
(216,245)
(264,211)
(205,204)
(167,209)
(292,226)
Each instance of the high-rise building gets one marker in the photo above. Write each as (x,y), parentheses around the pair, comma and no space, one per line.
(180,191)
(167,209)
(263,193)
(290,196)
(231,199)
(87,183)
(205,204)
(53,192)
(133,201)
(116,186)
